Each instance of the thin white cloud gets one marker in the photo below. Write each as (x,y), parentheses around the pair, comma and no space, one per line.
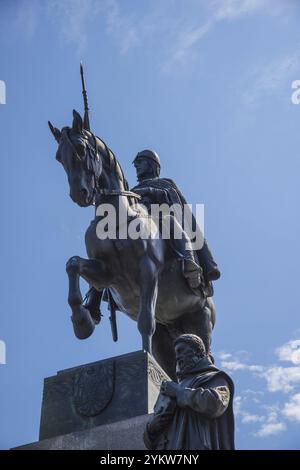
(174,37)
(268,418)
(74,18)
(269,429)
(255,396)
(232,9)
(281,379)
(237,405)
(218,11)
(186,41)
(270,78)
(292,408)
(278,378)
(246,398)
(236,363)
(163,30)
(252,407)
(290,351)
(121,26)
(251,418)
(77,18)
(272,422)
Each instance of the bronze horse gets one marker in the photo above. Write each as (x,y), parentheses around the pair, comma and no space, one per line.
(143,276)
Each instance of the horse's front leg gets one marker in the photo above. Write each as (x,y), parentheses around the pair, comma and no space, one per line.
(148,280)
(92,271)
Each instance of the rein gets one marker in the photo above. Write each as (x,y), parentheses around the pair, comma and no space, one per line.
(118,192)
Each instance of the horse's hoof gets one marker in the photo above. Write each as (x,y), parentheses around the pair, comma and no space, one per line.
(83,324)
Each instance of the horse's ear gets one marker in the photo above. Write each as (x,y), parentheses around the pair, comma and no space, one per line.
(77,122)
(56,132)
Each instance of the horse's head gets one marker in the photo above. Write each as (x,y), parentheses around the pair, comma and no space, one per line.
(79,153)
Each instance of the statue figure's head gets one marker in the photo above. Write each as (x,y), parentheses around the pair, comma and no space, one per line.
(79,153)
(189,349)
(147,165)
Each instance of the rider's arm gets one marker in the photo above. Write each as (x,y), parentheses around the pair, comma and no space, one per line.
(156,195)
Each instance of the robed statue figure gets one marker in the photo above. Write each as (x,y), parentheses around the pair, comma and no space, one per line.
(196,412)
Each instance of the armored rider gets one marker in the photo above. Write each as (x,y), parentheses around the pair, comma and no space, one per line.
(197,265)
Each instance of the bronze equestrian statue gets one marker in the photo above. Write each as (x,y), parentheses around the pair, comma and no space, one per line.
(150,280)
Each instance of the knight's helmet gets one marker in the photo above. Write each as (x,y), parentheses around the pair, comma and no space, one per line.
(150,155)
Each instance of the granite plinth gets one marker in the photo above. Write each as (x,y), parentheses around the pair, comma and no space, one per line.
(122,435)
(93,406)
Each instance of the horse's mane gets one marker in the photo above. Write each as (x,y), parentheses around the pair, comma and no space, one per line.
(114,164)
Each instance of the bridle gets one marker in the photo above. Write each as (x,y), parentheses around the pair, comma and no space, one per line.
(93,154)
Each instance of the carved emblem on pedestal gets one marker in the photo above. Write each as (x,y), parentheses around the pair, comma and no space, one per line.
(93,388)
(155,374)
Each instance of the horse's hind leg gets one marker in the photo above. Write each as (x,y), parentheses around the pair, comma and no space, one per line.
(163,350)
(148,278)
(205,327)
(199,323)
(92,272)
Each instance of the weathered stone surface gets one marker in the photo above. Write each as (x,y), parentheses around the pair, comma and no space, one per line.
(112,390)
(123,435)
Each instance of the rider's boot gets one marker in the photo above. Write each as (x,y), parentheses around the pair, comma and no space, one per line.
(92,303)
(210,268)
(190,268)
(183,247)
(192,272)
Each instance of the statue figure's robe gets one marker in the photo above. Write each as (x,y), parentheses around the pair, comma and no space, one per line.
(203,417)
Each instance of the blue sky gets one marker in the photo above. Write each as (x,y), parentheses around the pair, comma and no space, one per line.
(208,85)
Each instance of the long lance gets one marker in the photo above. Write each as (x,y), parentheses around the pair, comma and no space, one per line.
(86,120)
(86,123)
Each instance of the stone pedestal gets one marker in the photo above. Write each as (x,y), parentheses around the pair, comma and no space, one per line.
(102,405)
(122,435)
